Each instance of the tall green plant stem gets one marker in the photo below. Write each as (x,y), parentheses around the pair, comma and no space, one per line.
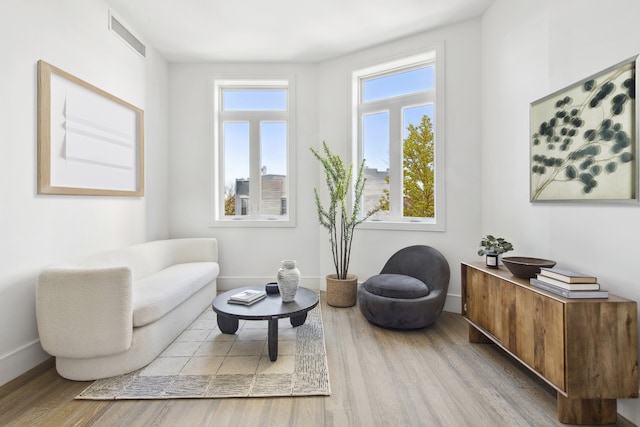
(338,180)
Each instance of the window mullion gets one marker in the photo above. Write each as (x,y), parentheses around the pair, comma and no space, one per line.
(395,159)
(254,168)
(404,100)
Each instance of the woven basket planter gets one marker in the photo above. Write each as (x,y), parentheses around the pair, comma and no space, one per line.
(342,292)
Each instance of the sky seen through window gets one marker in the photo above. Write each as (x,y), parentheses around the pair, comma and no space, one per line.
(273,134)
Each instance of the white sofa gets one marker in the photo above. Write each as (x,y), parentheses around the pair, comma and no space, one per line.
(115,312)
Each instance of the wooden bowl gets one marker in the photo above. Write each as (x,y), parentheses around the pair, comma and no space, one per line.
(526,267)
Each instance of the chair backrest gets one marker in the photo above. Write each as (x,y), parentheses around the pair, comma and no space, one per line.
(422,262)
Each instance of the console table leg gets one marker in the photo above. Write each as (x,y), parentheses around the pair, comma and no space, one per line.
(298,320)
(273,339)
(586,411)
(227,325)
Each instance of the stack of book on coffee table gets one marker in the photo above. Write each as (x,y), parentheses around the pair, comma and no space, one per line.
(568,284)
(247,297)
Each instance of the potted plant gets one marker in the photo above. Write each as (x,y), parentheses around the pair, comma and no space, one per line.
(340,218)
(493,247)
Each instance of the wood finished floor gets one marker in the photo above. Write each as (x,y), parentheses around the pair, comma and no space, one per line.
(430,377)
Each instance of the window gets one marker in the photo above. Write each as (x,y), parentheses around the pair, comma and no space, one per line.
(398,131)
(253,171)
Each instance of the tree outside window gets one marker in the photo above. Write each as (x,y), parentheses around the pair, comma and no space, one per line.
(418,172)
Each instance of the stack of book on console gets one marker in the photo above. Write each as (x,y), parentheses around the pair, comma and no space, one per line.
(248,297)
(568,284)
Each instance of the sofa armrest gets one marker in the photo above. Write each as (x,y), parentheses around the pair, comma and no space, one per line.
(196,249)
(84,313)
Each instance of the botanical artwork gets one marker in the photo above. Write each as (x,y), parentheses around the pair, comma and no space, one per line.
(583,139)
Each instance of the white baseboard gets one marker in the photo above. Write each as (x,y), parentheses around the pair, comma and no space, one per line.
(19,361)
(453,303)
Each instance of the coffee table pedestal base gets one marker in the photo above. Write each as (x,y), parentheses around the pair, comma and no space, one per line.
(270,309)
(298,320)
(229,325)
(273,339)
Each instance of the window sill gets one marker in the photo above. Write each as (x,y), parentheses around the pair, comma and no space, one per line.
(253,223)
(402,225)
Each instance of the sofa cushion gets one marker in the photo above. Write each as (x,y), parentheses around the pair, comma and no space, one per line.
(159,293)
(396,286)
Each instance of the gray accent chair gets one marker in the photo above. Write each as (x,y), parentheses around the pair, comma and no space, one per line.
(409,292)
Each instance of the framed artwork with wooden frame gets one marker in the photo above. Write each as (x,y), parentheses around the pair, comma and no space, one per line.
(90,143)
(584,140)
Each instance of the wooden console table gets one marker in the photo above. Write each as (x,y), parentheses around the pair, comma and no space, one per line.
(587,349)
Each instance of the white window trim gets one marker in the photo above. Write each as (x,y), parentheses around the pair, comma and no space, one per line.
(216,215)
(435,52)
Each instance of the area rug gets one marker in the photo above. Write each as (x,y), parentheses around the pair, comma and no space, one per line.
(205,363)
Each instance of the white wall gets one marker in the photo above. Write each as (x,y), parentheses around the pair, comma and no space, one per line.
(39,230)
(371,248)
(531,49)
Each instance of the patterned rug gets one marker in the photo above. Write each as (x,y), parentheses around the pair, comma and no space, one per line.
(205,363)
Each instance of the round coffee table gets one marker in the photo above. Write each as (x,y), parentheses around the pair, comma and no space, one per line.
(270,308)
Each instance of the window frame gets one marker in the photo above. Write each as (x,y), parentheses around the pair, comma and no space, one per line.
(430,56)
(254,118)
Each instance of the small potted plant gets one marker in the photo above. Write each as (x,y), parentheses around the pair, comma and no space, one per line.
(492,248)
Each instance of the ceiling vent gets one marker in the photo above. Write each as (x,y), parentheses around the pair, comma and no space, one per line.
(120,30)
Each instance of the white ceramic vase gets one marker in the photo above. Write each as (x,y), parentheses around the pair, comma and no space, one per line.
(288,280)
